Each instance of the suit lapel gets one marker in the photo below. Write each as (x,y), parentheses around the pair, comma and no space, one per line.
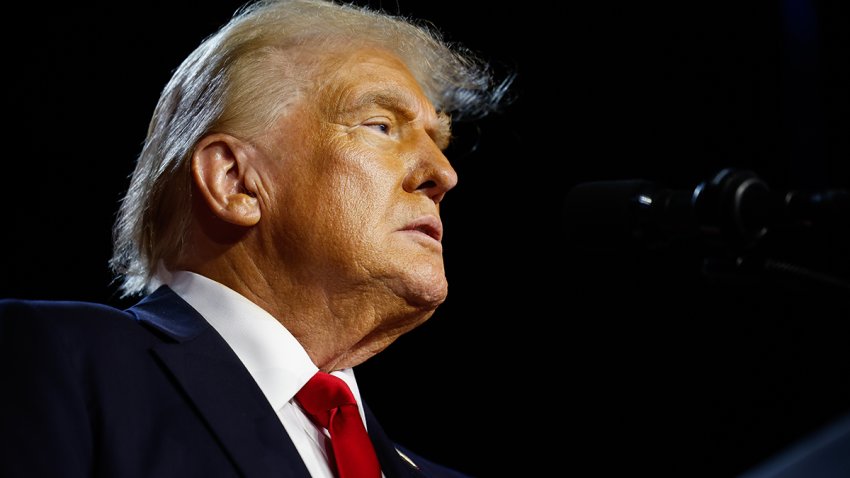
(393,463)
(220,387)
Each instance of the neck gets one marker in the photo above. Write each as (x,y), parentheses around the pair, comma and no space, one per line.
(339,325)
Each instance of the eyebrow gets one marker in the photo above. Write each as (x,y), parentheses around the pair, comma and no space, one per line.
(401,103)
(442,134)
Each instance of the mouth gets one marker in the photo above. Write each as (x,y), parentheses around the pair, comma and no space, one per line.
(427,225)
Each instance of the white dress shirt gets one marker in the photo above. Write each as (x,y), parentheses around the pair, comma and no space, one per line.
(278,363)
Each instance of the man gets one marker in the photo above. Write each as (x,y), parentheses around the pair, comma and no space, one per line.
(282,224)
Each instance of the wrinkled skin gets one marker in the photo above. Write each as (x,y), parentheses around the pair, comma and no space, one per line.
(338,204)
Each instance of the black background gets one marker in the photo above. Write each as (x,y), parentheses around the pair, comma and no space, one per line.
(545,356)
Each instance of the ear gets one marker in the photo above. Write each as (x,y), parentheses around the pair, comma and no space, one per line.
(219,166)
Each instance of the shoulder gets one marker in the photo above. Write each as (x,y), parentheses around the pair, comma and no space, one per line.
(16,307)
(36,313)
(73,345)
(73,323)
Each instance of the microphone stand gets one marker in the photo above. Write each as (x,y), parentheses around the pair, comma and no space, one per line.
(737,266)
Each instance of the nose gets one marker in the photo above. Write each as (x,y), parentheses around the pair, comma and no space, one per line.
(432,173)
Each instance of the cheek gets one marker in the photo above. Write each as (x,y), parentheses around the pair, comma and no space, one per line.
(349,223)
(360,204)
(361,187)
(351,191)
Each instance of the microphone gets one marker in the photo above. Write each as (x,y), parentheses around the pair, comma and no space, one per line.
(734,209)
(725,217)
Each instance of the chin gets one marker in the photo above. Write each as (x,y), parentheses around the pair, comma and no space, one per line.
(424,286)
(428,295)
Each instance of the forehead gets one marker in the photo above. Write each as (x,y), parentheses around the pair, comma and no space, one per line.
(366,76)
(360,81)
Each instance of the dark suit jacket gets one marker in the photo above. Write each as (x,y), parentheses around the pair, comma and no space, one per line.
(153,391)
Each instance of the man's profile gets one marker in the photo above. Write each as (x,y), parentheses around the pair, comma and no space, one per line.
(281,227)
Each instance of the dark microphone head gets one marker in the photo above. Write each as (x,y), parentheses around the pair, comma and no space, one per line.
(623,213)
(732,209)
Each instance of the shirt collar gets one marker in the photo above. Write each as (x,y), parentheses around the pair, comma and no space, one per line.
(272,355)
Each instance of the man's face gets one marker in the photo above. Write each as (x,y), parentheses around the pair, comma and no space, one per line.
(355,177)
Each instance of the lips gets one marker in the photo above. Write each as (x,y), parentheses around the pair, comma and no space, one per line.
(428,225)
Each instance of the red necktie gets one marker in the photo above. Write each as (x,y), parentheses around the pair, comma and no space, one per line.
(330,403)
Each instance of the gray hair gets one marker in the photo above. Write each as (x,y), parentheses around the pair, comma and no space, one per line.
(231,83)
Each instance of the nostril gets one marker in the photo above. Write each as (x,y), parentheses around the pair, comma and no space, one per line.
(427,185)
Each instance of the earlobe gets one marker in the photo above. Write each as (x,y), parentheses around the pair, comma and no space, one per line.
(219,166)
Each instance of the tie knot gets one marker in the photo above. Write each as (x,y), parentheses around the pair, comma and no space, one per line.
(322,395)
(329,402)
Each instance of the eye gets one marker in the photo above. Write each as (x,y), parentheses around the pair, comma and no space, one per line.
(378,124)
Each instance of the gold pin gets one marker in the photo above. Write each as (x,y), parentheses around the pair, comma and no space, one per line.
(406,458)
